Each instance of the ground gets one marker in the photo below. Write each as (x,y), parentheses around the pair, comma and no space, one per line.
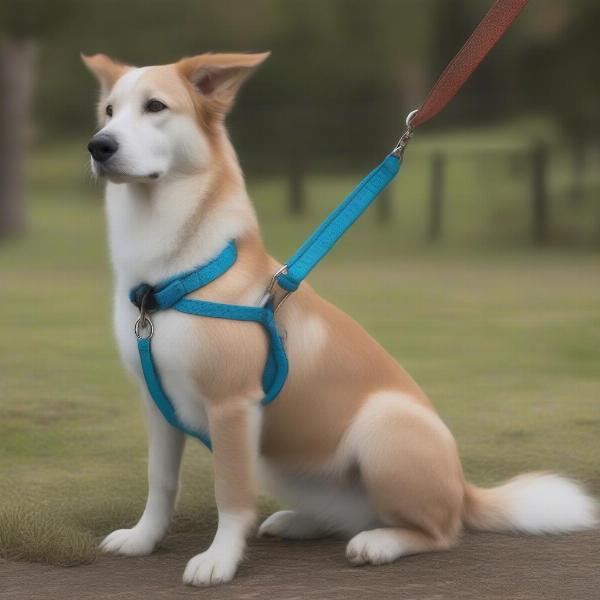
(503,337)
(483,567)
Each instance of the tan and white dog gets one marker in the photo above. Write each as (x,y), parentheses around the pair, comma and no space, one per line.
(352,445)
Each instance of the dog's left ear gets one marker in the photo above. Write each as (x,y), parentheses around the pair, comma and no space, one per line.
(218,77)
(106,70)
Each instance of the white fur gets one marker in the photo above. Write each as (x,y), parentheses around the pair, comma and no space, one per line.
(310,336)
(548,504)
(340,506)
(376,547)
(151,145)
(293,525)
(165,450)
(146,221)
(219,563)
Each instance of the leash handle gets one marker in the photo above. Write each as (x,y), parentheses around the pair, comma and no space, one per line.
(491,28)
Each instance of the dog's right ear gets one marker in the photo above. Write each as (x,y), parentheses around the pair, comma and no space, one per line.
(105,69)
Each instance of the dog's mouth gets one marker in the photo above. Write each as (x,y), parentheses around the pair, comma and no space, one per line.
(116,175)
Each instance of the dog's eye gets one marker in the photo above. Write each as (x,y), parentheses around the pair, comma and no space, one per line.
(155,106)
(109,110)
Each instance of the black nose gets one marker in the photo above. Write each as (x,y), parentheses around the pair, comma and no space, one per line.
(102,147)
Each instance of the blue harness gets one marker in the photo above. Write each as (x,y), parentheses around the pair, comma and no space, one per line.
(171,293)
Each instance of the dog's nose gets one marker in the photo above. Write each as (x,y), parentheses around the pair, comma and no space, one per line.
(102,147)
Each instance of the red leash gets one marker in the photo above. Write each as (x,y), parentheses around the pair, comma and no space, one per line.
(489,31)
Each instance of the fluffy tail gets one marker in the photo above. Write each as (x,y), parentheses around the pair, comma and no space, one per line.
(533,503)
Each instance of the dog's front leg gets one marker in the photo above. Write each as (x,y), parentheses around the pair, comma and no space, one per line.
(234,435)
(165,446)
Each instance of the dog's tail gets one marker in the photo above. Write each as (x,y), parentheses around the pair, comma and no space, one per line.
(532,503)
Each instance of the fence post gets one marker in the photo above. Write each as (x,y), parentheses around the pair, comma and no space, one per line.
(539,194)
(578,166)
(438,173)
(296,195)
(384,207)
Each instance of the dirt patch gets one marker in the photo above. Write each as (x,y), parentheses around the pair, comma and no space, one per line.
(482,567)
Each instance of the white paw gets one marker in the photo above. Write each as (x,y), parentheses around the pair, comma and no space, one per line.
(128,542)
(290,525)
(211,568)
(376,547)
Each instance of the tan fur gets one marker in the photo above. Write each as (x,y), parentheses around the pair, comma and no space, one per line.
(106,70)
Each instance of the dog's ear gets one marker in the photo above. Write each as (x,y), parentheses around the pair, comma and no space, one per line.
(105,69)
(218,77)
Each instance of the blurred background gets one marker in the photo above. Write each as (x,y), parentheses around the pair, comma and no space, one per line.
(486,247)
(523,135)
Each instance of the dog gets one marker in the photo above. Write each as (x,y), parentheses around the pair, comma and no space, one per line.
(351,445)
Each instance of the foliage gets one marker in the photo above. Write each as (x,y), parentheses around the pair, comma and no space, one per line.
(341,71)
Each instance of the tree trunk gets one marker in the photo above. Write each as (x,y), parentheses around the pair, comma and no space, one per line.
(16,87)
(540,194)
(579,163)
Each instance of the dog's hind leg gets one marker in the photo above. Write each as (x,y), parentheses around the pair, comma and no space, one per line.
(386,544)
(165,446)
(409,466)
(292,525)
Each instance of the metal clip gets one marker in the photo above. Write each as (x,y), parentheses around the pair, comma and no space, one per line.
(398,151)
(269,294)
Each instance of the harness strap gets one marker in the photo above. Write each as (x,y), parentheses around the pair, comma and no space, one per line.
(274,374)
(157,393)
(276,368)
(336,224)
(168,292)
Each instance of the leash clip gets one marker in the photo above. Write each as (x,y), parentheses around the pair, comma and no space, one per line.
(269,294)
(144,321)
(398,151)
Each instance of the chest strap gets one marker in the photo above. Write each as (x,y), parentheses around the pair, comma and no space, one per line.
(170,294)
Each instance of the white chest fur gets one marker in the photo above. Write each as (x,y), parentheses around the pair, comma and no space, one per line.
(145,233)
(172,349)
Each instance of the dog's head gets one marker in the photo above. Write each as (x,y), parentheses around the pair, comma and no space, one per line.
(160,120)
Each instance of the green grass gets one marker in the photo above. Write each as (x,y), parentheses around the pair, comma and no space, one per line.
(504,338)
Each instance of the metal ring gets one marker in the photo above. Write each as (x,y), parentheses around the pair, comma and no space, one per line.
(410,116)
(398,150)
(140,325)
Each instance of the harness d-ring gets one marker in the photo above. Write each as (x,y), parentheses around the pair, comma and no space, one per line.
(141,324)
(144,321)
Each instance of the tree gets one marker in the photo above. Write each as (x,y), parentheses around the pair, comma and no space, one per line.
(17,57)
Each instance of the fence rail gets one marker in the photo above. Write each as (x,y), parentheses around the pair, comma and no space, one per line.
(534,160)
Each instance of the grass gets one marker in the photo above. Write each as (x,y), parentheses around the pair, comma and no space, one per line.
(504,338)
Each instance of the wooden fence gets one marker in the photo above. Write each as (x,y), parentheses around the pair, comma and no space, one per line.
(537,159)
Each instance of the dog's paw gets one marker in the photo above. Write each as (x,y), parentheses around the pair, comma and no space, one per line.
(290,525)
(211,568)
(375,547)
(128,542)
